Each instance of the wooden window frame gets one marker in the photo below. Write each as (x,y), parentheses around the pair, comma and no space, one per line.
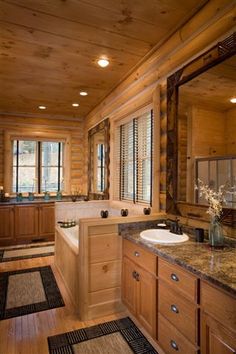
(134,119)
(12,135)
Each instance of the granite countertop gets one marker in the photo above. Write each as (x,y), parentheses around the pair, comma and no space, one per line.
(215,266)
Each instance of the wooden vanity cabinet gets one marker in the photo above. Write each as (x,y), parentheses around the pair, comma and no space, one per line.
(218,321)
(178,310)
(26,222)
(139,284)
(192,315)
(6,225)
(46,221)
(34,221)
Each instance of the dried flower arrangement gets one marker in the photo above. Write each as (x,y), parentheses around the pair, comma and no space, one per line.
(216,199)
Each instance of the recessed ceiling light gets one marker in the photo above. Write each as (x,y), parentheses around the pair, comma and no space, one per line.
(42,107)
(75,104)
(83,93)
(233,100)
(103,62)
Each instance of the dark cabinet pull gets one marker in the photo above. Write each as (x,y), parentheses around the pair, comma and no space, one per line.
(135,275)
(174,345)
(174,277)
(136,253)
(174,309)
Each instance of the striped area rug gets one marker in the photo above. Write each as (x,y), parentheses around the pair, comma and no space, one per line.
(27,251)
(115,337)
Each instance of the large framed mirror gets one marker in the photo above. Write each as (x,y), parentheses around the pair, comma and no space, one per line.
(98,164)
(201,130)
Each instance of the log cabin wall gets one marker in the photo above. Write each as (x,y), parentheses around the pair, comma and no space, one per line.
(141,87)
(75,129)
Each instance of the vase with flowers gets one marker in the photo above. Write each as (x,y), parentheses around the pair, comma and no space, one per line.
(216,199)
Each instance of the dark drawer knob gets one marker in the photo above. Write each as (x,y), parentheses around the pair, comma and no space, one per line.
(134,274)
(174,277)
(174,309)
(174,345)
(137,276)
(137,254)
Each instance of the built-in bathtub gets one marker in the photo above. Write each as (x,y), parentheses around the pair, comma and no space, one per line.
(71,237)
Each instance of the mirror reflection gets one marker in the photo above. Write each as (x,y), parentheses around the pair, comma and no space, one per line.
(98,170)
(207,131)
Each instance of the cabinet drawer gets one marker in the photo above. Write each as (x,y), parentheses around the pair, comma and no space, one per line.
(104,248)
(182,313)
(219,305)
(171,340)
(104,275)
(140,256)
(178,279)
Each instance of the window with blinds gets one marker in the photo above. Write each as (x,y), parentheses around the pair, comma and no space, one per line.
(134,154)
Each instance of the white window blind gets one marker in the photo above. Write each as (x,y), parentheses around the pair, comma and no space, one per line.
(134,157)
(144,158)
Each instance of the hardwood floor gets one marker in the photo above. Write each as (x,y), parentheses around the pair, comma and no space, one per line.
(28,334)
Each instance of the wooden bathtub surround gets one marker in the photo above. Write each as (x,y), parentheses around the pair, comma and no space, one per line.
(100,263)
(24,223)
(66,262)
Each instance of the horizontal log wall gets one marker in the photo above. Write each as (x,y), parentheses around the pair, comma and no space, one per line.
(75,128)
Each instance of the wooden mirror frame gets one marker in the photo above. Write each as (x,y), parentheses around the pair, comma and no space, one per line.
(105,127)
(217,54)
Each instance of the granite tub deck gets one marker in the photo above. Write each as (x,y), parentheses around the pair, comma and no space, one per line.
(215,266)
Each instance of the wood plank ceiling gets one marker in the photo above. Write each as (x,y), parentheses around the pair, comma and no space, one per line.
(49,49)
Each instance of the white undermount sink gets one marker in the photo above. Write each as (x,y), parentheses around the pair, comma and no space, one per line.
(162,236)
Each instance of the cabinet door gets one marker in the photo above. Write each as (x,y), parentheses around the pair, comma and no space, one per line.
(129,285)
(26,222)
(6,225)
(46,220)
(216,338)
(146,300)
